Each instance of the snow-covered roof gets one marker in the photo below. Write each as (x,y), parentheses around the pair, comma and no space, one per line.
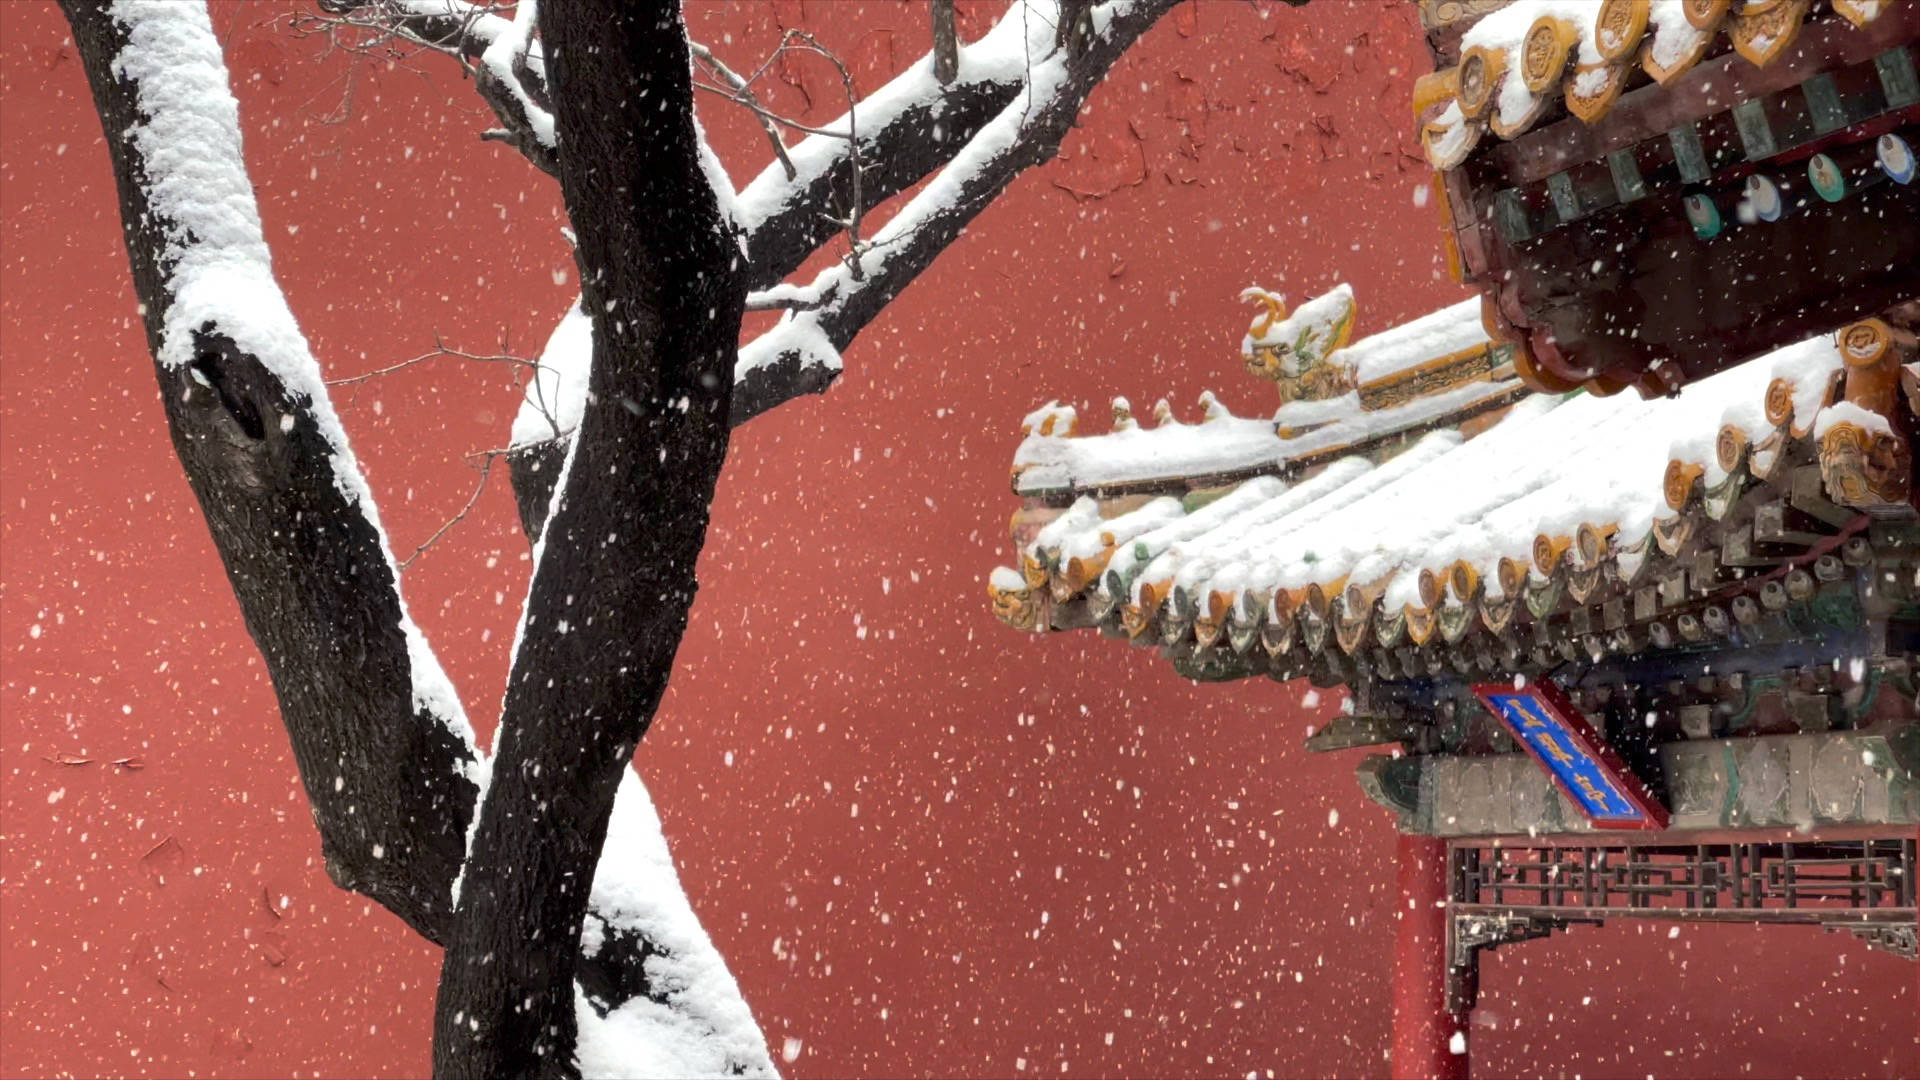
(1564,503)
(1518,61)
(1403,379)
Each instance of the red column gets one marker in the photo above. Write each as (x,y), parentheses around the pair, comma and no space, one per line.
(1423,1030)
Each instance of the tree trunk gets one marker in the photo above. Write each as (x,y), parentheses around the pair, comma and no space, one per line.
(386,770)
(383,751)
(662,277)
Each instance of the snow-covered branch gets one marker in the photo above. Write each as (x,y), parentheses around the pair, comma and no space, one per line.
(504,57)
(510,78)
(786,297)
(790,360)
(384,749)
(802,354)
(907,129)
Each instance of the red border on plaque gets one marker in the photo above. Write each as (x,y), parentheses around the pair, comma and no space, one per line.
(1563,718)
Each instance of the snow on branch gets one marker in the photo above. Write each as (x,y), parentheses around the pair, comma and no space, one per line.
(792,359)
(802,354)
(557,394)
(511,86)
(691,1020)
(905,130)
(384,747)
(502,55)
(786,297)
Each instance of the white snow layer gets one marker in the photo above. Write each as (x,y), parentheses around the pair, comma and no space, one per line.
(1452,329)
(556,396)
(999,57)
(704,1027)
(1669,38)
(1550,465)
(1224,443)
(1506,29)
(1673,35)
(217,265)
(798,333)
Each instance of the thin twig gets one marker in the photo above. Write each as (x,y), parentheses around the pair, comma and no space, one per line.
(486,471)
(767,63)
(740,92)
(727,75)
(765,113)
(438,352)
(855,248)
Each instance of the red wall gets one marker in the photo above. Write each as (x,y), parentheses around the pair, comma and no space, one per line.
(926,844)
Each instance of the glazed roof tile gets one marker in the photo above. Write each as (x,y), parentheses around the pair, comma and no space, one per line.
(1221,447)
(1518,61)
(1448,527)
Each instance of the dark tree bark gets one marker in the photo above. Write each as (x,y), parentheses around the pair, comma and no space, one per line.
(534,470)
(386,780)
(310,571)
(386,766)
(946,42)
(662,279)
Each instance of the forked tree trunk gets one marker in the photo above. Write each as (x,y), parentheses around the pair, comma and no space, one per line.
(662,277)
(384,750)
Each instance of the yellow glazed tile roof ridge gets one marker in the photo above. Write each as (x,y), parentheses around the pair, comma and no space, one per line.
(1055,458)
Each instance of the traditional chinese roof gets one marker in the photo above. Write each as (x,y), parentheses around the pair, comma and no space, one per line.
(1530,60)
(1466,526)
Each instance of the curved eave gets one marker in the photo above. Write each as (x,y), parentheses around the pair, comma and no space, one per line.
(1573,530)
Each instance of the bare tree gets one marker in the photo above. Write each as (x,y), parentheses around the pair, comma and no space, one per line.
(558,960)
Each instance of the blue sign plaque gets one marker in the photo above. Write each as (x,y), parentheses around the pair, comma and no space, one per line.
(1582,765)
